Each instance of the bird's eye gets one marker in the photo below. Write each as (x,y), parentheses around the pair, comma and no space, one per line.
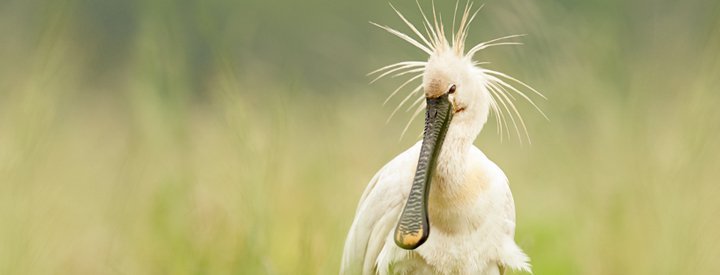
(452,89)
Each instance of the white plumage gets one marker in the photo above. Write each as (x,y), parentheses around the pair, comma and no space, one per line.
(469,204)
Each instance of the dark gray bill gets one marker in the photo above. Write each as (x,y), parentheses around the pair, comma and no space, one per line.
(413,228)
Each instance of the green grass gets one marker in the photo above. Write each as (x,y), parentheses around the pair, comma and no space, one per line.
(221,138)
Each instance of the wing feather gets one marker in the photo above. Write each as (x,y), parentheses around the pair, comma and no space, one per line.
(377,213)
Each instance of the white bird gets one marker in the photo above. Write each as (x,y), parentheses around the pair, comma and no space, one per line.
(442,207)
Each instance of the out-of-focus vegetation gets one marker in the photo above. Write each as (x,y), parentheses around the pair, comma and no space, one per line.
(235,137)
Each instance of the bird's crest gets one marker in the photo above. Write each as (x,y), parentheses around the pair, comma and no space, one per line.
(434,42)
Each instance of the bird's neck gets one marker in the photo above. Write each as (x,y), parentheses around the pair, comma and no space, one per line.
(452,162)
(451,194)
(450,184)
(455,187)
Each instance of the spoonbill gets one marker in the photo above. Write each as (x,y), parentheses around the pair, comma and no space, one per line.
(442,207)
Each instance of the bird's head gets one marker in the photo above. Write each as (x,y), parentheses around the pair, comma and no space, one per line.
(448,73)
(458,94)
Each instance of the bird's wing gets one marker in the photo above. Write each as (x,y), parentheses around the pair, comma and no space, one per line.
(377,214)
(511,256)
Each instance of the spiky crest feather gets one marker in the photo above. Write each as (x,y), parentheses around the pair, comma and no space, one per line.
(434,42)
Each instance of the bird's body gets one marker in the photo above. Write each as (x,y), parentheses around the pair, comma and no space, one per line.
(472,219)
(442,207)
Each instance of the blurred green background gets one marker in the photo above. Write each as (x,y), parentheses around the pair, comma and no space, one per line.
(235,137)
